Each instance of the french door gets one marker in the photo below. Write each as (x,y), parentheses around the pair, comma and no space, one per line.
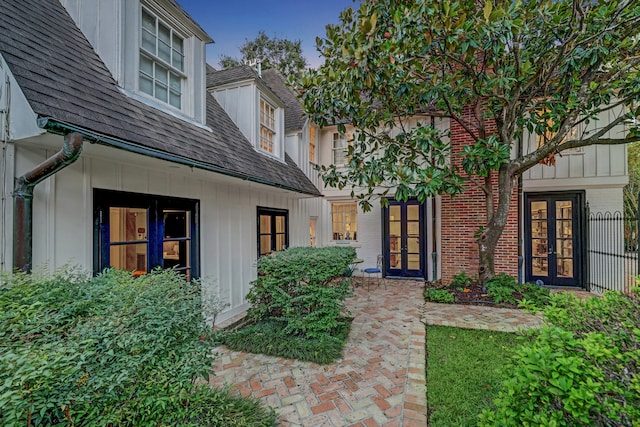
(404,239)
(554,238)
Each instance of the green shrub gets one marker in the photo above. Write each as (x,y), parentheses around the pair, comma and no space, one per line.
(582,370)
(303,288)
(109,350)
(462,279)
(439,295)
(269,337)
(505,289)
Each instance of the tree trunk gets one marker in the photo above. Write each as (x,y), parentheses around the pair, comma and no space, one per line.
(488,240)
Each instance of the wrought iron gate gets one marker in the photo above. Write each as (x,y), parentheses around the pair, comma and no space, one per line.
(612,251)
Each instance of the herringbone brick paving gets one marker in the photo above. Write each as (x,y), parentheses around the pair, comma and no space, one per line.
(380,381)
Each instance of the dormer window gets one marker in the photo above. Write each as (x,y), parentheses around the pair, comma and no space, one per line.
(161,71)
(267,126)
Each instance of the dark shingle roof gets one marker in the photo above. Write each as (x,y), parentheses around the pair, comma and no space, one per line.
(63,78)
(294,117)
(230,75)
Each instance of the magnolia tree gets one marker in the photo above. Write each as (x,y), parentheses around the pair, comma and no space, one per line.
(497,69)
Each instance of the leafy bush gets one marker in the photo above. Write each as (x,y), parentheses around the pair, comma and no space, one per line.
(298,309)
(109,350)
(302,288)
(462,279)
(505,289)
(439,295)
(582,370)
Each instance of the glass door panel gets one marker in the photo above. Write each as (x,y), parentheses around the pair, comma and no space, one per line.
(552,239)
(177,240)
(395,237)
(404,240)
(564,238)
(128,244)
(539,245)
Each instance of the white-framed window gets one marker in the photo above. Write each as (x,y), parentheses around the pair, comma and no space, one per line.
(161,69)
(344,218)
(339,148)
(267,126)
(573,133)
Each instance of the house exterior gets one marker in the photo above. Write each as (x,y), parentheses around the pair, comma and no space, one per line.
(165,177)
(162,161)
(546,236)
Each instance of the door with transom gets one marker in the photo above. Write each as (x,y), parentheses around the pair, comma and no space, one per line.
(404,239)
(553,243)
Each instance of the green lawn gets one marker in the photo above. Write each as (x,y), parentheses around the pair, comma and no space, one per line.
(462,372)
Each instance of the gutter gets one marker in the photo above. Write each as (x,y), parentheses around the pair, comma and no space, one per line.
(23,198)
(57,126)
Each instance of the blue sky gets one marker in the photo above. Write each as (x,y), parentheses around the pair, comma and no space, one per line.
(230,22)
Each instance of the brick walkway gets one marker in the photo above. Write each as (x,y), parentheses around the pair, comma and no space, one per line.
(379,382)
(381,379)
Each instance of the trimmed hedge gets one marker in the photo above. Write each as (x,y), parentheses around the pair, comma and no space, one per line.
(110,350)
(298,309)
(302,287)
(582,370)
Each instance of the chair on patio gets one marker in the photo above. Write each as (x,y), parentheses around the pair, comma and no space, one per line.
(377,270)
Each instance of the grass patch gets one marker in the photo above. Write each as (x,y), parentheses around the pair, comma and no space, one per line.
(269,337)
(463,374)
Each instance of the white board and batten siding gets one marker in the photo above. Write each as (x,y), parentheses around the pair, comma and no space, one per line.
(63,213)
(600,165)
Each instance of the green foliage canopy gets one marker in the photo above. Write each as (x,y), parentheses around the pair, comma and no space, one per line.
(545,66)
(272,52)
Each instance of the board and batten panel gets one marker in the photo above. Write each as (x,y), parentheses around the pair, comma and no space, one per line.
(63,215)
(240,104)
(586,162)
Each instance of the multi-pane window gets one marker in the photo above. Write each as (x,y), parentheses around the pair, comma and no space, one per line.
(313,221)
(312,144)
(161,60)
(137,232)
(267,126)
(344,221)
(550,134)
(273,230)
(339,149)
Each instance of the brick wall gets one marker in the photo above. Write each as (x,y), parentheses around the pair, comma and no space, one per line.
(463,215)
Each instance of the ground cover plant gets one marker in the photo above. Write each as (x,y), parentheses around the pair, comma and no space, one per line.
(111,350)
(463,375)
(501,291)
(582,370)
(298,309)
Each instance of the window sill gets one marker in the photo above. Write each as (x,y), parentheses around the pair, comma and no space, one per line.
(167,108)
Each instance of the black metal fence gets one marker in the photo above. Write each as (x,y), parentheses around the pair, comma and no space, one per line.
(612,251)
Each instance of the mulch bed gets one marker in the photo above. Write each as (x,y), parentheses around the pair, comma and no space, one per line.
(471,294)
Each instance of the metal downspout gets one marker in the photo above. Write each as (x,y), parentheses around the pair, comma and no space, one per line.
(520,218)
(434,227)
(23,198)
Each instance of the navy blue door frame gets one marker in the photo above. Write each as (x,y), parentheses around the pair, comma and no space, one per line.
(554,238)
(404,242)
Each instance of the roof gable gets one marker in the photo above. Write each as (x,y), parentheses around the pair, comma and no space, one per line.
(64,79)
